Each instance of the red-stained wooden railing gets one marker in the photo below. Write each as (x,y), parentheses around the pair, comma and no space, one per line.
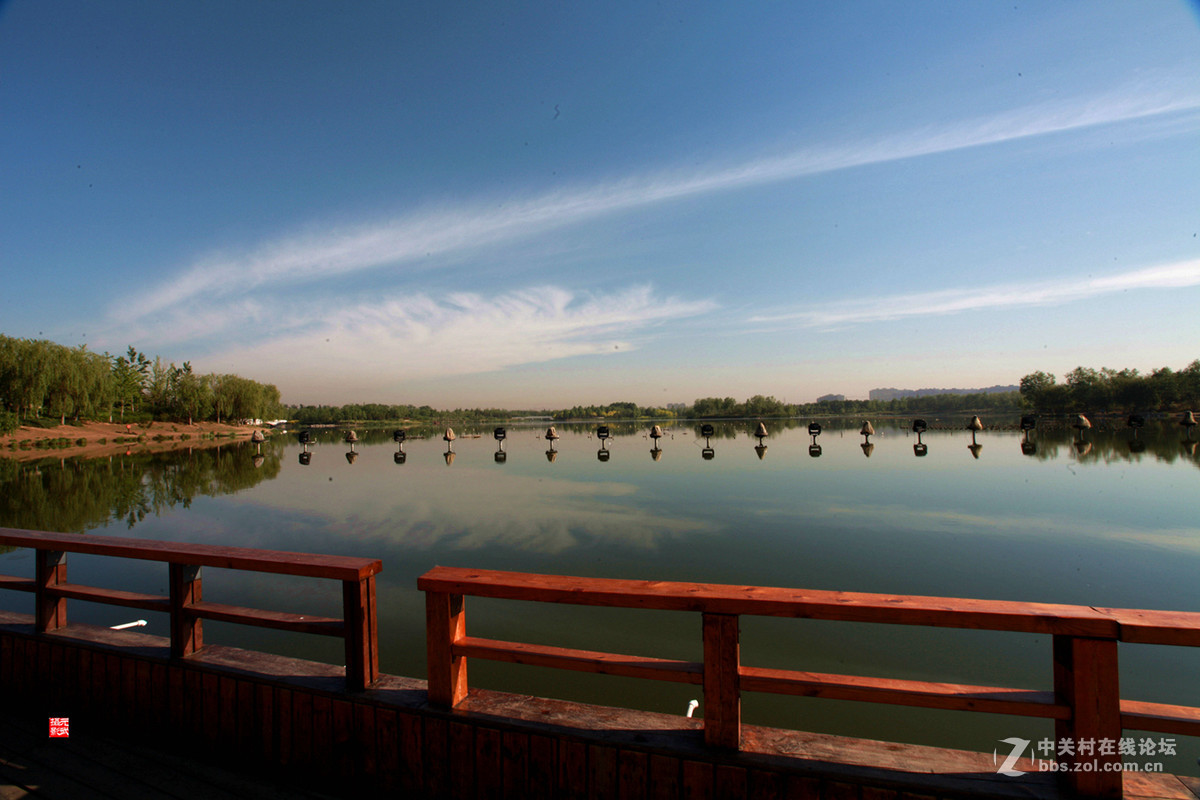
(185,605)
(1085,702)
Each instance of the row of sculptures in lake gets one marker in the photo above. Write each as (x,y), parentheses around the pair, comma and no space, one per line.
(78,494)
(707,431)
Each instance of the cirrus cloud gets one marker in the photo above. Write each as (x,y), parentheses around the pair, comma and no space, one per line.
(886,308)
(422,336)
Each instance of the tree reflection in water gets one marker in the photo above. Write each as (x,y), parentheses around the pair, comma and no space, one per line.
(76,494)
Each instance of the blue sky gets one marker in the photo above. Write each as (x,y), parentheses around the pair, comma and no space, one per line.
(544,204)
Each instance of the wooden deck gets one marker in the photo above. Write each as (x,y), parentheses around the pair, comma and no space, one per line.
(233,723)
(90,766)
(390,741)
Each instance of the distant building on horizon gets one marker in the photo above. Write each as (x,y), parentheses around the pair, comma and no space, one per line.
(831,398)
(896,394)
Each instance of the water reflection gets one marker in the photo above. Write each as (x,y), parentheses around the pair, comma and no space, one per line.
(500,434)
(306,438)
(77,495)
(603,433)
(1045,518)
(814,430)
(707,452)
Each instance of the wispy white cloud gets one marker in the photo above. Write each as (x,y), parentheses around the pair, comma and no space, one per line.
(885,308)
(394,340)
(411,238)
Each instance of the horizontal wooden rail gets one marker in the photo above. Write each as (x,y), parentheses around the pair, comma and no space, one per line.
(342,568)
(18,584)
(185,605)
(953,696)
(298,623)
(1160,718)
(942,612)
(581,660)
(112,597)
(1085,702)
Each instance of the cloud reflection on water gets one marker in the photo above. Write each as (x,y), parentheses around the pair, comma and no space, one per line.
(476,508)
(943,521)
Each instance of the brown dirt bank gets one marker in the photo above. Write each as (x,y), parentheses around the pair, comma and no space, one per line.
(94,439)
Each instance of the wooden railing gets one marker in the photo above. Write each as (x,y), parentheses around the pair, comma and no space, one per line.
(185,605)
(1084,704)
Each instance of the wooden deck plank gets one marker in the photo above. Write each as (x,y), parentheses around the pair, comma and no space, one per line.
(602,772)
(435,740)
(763,785)
(633,770)
(411,736)
(514,755)
(365,736)
(461,743)
(489,764)
(665,778)
(542,766)
(342,740)
(697,780)
(572,769)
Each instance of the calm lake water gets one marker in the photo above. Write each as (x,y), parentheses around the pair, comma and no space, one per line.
(1110,521)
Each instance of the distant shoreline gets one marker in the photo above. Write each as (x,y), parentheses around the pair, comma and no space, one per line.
(93,439)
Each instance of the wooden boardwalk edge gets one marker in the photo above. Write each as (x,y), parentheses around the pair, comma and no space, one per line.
(294,714)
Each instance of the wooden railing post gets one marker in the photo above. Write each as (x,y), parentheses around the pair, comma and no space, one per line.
(187,632)
(362,635)
(1086,679)
(445,624)
(722,689)
(51,566)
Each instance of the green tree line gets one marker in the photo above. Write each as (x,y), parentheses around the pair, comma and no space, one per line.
(758,407)
(1085,389)
(40,379)
(383,412)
